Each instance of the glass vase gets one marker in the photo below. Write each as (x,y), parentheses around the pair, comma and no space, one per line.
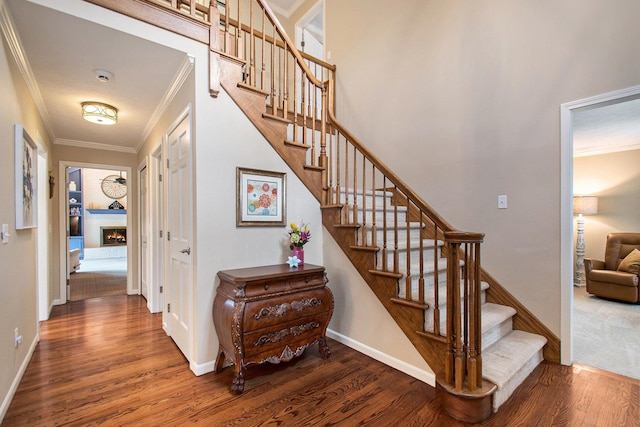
(299,253)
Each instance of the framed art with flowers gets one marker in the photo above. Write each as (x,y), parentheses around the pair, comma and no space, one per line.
(26,157)
(261,198)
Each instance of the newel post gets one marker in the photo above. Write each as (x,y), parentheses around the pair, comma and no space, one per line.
(214,44)
(323,160)
(463,362)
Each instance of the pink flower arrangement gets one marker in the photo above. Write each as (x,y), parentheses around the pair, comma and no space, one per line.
(299,235)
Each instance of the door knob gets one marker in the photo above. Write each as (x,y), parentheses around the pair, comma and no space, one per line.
(186,251)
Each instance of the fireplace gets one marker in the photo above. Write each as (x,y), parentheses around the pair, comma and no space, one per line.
(113,236)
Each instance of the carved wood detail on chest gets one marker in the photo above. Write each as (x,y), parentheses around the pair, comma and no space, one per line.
(270,314)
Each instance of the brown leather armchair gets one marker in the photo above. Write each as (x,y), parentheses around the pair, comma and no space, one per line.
(603,277)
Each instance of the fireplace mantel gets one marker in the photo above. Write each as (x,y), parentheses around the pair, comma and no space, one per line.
(107,211)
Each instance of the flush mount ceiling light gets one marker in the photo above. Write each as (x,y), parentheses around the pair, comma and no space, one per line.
(97,112)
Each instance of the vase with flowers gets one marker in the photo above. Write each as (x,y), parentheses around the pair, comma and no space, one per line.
(299,235)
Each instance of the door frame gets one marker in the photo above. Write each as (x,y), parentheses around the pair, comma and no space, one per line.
(43,239)
(306,19)
(62,225)
(141,220)
(157,224)
(566,212)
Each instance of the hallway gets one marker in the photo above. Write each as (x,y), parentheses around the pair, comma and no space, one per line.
(107,361)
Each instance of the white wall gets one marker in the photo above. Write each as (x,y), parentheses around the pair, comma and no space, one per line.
(472,91)
(18,257)
(226,140)
(615,179)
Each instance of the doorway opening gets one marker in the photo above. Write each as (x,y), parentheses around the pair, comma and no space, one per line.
(577,154)
(95,199)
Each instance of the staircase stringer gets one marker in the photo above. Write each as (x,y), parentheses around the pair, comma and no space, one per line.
(274,131)
(408,319)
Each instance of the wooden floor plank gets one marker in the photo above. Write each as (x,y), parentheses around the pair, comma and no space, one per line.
(107,361)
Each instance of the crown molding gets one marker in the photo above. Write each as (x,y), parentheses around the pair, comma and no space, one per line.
(95,145)
(284,12)
(170,94)
(606,150)
(15,46)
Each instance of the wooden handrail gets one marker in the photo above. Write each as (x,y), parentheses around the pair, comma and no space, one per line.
(292,47)
(402,186)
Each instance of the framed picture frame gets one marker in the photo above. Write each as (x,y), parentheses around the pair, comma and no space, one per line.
(26,170)
(261,198)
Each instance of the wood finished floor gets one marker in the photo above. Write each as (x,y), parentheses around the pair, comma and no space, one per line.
(106,361)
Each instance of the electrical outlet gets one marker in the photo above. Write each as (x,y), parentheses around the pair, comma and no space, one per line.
(502,201)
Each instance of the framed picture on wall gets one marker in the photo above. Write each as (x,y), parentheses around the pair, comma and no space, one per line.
(261,198)
(26,171)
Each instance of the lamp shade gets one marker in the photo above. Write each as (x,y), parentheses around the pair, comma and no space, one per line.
(97,112)
(585,205)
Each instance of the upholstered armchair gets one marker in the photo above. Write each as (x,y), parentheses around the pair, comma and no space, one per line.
(618,276)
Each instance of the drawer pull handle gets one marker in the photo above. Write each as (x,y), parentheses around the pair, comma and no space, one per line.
(266,287)
(306,280)
(279,310)
(274,337)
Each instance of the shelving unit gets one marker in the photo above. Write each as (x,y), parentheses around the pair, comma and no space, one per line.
(76,211)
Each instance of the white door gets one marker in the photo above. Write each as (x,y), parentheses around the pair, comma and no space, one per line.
(144,235)
(156,240)
(179,296)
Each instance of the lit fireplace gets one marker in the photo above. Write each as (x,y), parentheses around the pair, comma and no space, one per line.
(113,236)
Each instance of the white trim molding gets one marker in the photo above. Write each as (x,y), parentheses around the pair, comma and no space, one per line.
(566,211)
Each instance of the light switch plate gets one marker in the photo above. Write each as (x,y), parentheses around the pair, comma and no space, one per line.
(502,201)
(5,234)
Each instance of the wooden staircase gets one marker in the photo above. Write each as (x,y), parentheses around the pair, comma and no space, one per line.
(479,340)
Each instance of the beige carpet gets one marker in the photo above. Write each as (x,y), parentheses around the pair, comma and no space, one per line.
(95,284)
(606,334)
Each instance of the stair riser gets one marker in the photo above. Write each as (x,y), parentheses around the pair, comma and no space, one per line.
(414,233)
(381,218)
(428,258)
(380,203)
(489,336)
(428,286)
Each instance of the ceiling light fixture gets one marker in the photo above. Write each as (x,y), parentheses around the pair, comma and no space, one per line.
(97,112)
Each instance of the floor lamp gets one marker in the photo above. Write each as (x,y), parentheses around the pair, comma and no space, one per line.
(582,205)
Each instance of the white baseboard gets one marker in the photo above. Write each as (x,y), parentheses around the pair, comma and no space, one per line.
(16,381)
(419,374)
(203,368)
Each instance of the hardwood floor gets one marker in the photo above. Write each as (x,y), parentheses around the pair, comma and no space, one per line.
(106,361)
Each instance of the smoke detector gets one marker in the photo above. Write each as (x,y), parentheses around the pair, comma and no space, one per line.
(103,75)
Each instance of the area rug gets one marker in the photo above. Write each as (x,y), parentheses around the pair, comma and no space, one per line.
(606,334)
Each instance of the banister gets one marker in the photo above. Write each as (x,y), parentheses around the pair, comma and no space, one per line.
(292,47)
(402,186)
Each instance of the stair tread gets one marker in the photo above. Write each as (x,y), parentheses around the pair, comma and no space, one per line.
(502,360)
(494,314)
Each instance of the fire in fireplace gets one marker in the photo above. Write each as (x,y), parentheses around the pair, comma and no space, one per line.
(113,236)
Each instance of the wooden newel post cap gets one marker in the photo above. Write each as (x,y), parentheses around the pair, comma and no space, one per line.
(463,237)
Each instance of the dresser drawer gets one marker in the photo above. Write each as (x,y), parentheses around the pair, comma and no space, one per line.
(270,287)
(261,344)
(267,287)
(306,281)
(266,312)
